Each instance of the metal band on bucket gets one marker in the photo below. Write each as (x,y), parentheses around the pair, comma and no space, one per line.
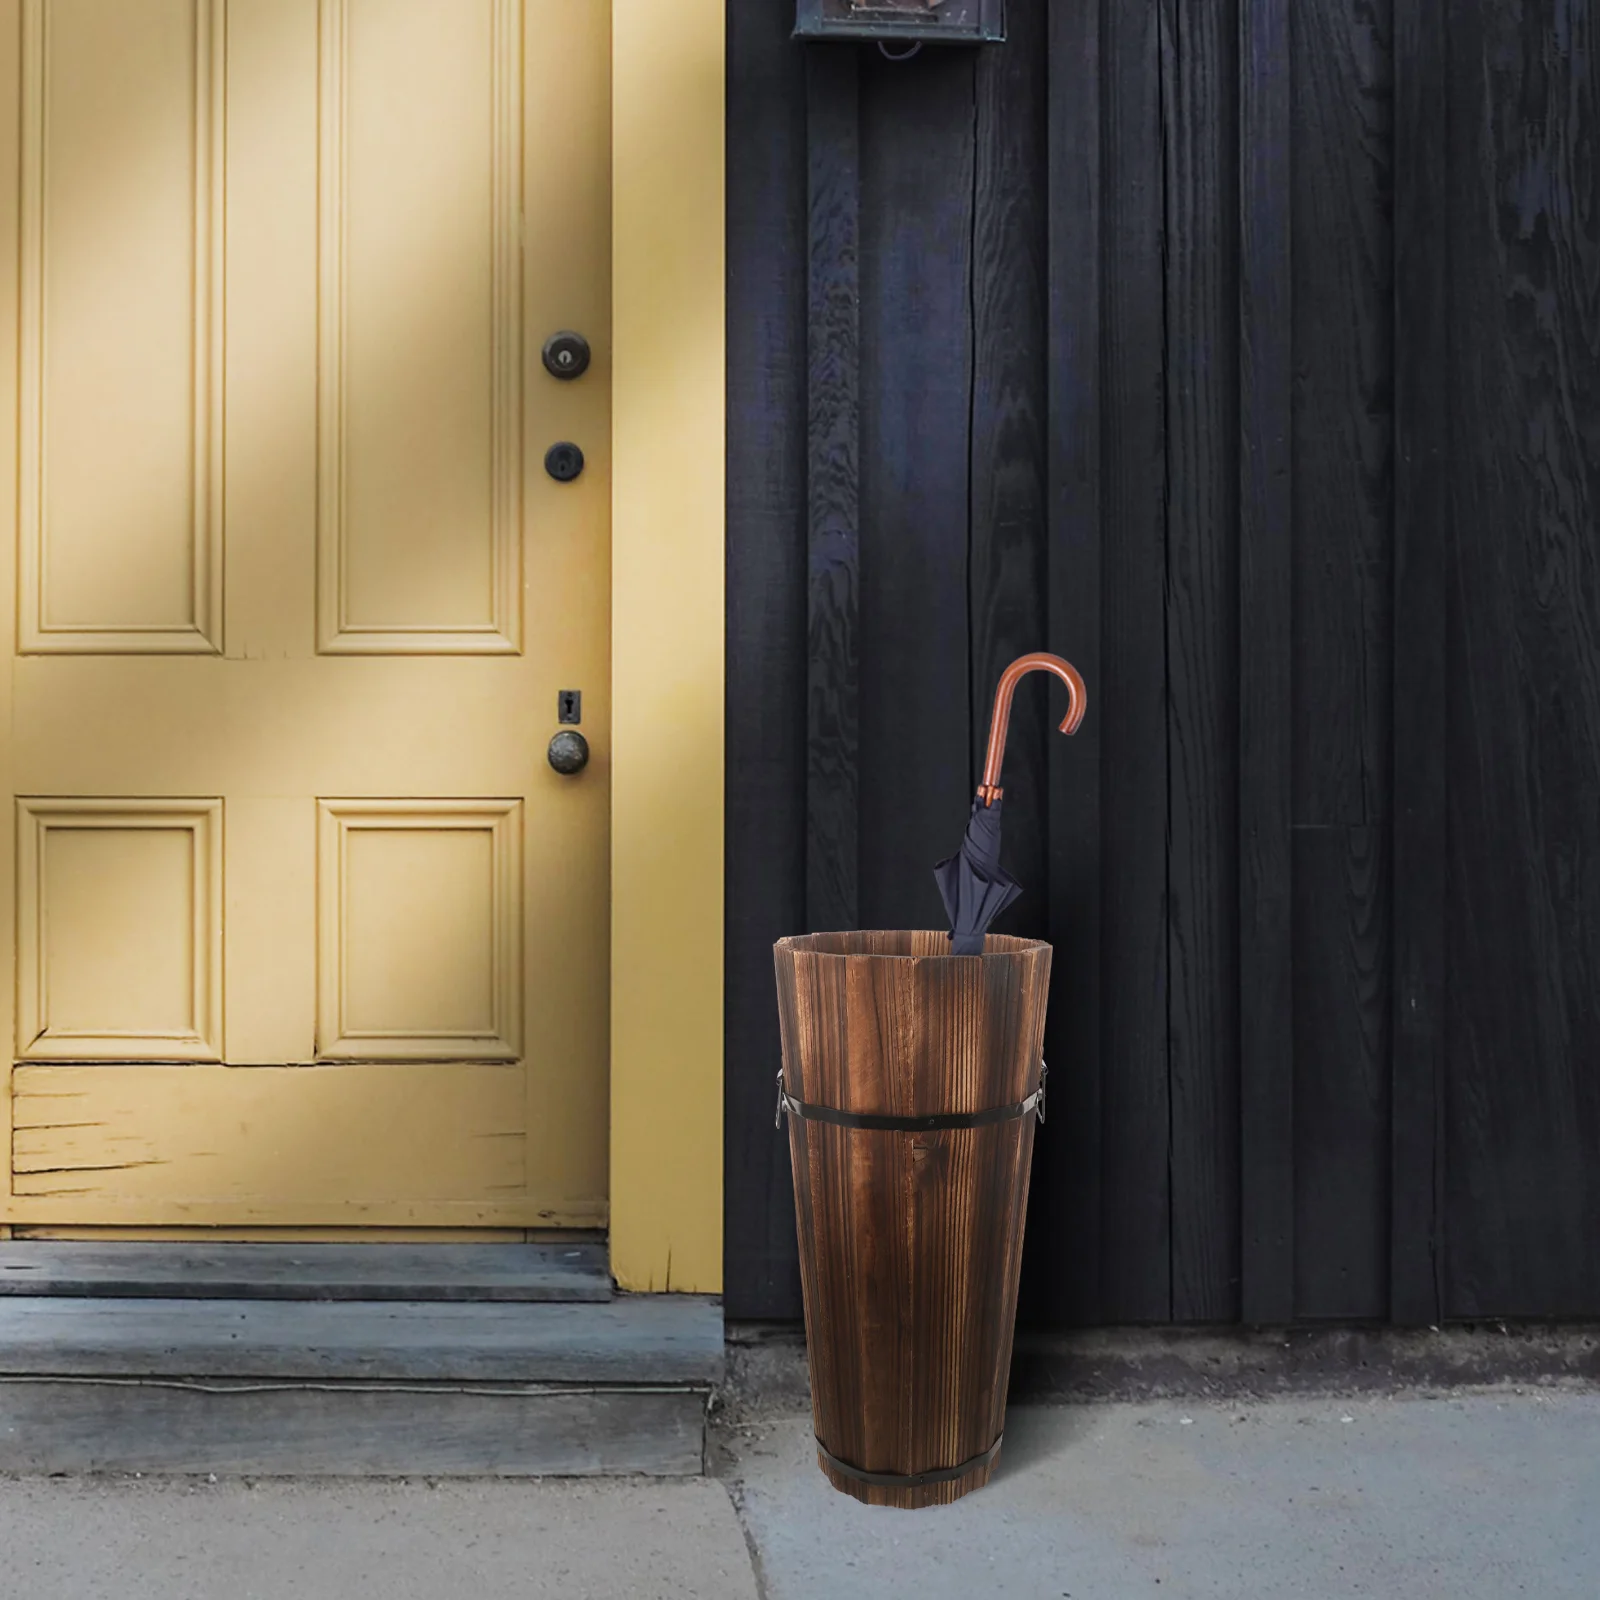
(939,1123)
(909,1480)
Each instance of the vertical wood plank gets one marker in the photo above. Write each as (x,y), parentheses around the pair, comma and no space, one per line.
(1266,1012)
(833,487)
(1341,1058)
(766,635)
(1130,717)
(1343,438)
(1520,1198)
(1343,474)
(917,155)
(1062,1264)
(1008,450)
(1422,531)
(1006,445)
(1200,99)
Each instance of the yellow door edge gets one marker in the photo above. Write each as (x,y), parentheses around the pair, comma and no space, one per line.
(667,651)
(10,352)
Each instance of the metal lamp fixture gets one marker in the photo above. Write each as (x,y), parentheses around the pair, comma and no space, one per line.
(909,21)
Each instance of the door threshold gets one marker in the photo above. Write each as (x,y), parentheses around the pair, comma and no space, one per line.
(550,1271)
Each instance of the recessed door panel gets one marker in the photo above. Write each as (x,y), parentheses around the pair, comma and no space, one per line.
(420,466)
(119,930)
(421,921)
(121,280)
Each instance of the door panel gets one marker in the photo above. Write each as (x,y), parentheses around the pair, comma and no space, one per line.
(121,429)
(309,934)
(386,868)
(119,930)
(419,470)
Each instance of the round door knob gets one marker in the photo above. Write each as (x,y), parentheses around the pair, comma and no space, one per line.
(566,355)
(569,752)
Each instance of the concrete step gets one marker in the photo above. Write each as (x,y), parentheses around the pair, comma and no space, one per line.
(356,1387)
(572,1271)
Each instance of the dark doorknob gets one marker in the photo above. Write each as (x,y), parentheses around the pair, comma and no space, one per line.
(569,752)
(566,355)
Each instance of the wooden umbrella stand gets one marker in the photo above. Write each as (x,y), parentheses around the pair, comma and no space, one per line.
(912,1080)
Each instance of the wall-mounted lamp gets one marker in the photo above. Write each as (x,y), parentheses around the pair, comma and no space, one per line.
(911,21)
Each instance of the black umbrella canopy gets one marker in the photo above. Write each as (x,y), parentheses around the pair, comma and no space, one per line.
(974,886)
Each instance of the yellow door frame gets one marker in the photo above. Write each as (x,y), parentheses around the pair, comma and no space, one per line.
(668,405)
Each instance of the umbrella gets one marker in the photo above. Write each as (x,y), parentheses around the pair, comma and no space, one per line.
(975,888)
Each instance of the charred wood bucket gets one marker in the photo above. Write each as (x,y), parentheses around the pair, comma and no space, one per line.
(912,1080)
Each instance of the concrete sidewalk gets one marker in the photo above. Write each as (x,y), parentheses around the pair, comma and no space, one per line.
(534,1539)
(1483,1497)
(1475,1497)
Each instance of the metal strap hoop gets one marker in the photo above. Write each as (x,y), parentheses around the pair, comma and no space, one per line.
(876,1122)
(909,1480)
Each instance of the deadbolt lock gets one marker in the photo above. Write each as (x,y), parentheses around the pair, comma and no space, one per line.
(563,461)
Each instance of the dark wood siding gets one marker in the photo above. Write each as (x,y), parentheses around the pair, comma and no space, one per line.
(1247,353)
(1521,904)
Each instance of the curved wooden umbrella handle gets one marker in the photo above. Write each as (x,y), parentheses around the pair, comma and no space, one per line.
(989,790)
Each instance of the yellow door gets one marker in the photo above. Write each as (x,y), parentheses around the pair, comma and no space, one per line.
(308,933)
